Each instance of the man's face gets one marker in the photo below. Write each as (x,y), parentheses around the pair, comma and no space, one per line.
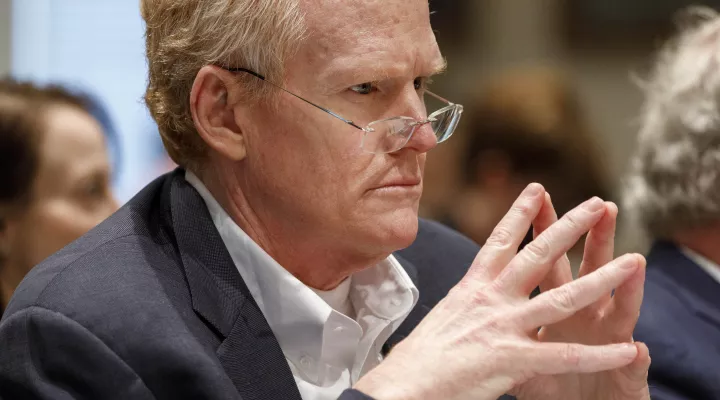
(365,60)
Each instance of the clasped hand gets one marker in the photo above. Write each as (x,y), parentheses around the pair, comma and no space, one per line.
(487,338)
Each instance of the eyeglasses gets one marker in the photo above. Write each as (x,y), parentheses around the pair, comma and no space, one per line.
(391,134)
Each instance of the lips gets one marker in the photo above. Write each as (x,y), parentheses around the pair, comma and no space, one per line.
(400,183)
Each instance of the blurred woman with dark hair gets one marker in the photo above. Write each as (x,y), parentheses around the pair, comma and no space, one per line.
(526,126)
(56,176)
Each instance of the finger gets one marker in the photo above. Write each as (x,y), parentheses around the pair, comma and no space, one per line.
(564,358)
(600,242)
(560,303)
(560,273)
(600,248)
(626,303)
(531,265)
(503,243)
(638,369)
(633,378)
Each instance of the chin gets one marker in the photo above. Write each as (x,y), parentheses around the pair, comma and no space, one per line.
(392,231)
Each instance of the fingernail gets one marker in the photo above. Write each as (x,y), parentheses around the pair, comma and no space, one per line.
(533,189)
(593,204)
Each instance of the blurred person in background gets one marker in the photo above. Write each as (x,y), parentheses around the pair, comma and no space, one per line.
(674,192)
(527,125)
(56,176)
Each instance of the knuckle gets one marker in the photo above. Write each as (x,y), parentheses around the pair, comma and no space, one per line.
(481,299)
(562,299)
(500,237)
(572,221)
(604,275)
(538,250)
(463,285)
(570,354)
(493,325)
(602,238)
(522,210)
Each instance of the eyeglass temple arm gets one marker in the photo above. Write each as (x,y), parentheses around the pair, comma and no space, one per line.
(439,98)
(255,74)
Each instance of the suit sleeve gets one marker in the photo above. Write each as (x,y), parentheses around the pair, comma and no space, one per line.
(659,392)
(352,394)
(46,355)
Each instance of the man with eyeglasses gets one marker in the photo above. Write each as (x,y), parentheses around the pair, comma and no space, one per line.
(285,259)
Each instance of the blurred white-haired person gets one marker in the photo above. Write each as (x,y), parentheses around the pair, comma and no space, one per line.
(674,192)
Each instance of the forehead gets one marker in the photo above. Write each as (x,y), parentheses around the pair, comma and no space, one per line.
(356,37)
(72,136)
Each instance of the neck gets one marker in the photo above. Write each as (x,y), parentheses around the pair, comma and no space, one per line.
(304,254)
(703,241)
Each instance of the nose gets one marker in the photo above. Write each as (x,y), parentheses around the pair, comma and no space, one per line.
(423,138)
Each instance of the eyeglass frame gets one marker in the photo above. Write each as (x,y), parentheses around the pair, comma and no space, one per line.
(368,129)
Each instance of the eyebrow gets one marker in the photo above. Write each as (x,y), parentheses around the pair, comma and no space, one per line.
(353,72)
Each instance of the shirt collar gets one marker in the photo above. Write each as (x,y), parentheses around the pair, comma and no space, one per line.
(298,317)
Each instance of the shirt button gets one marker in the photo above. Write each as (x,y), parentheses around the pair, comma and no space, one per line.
(339,329)
(396,302)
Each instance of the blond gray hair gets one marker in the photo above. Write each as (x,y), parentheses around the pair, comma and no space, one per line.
(675,178)
(182,36)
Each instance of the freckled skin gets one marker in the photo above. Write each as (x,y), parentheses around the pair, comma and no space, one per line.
(306,180)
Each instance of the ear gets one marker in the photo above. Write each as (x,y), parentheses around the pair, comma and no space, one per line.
(213,115)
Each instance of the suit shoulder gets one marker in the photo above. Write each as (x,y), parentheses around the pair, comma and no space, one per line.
(438,242)
(667,324)
(123,248)
(661,305)
(441,256)
(119,269)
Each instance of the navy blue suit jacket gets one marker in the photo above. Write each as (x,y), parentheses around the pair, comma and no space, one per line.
(150,305)
(680,322)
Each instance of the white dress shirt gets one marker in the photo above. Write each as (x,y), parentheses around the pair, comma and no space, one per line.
(329,338)
(707,265)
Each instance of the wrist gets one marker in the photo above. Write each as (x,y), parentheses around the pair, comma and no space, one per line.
(391,380)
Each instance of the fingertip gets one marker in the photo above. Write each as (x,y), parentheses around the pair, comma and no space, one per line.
(627,350)
(534,189)
(642,362)
(643,350)
(640,259)
(612,208)
(628,261)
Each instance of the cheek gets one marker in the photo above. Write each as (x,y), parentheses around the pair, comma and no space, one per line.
(54,224)
(307,153)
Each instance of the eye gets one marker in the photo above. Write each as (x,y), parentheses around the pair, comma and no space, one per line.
(95,189)
(364,88)
(421,83)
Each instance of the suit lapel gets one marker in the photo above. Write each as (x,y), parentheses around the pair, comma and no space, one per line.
(249,352)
